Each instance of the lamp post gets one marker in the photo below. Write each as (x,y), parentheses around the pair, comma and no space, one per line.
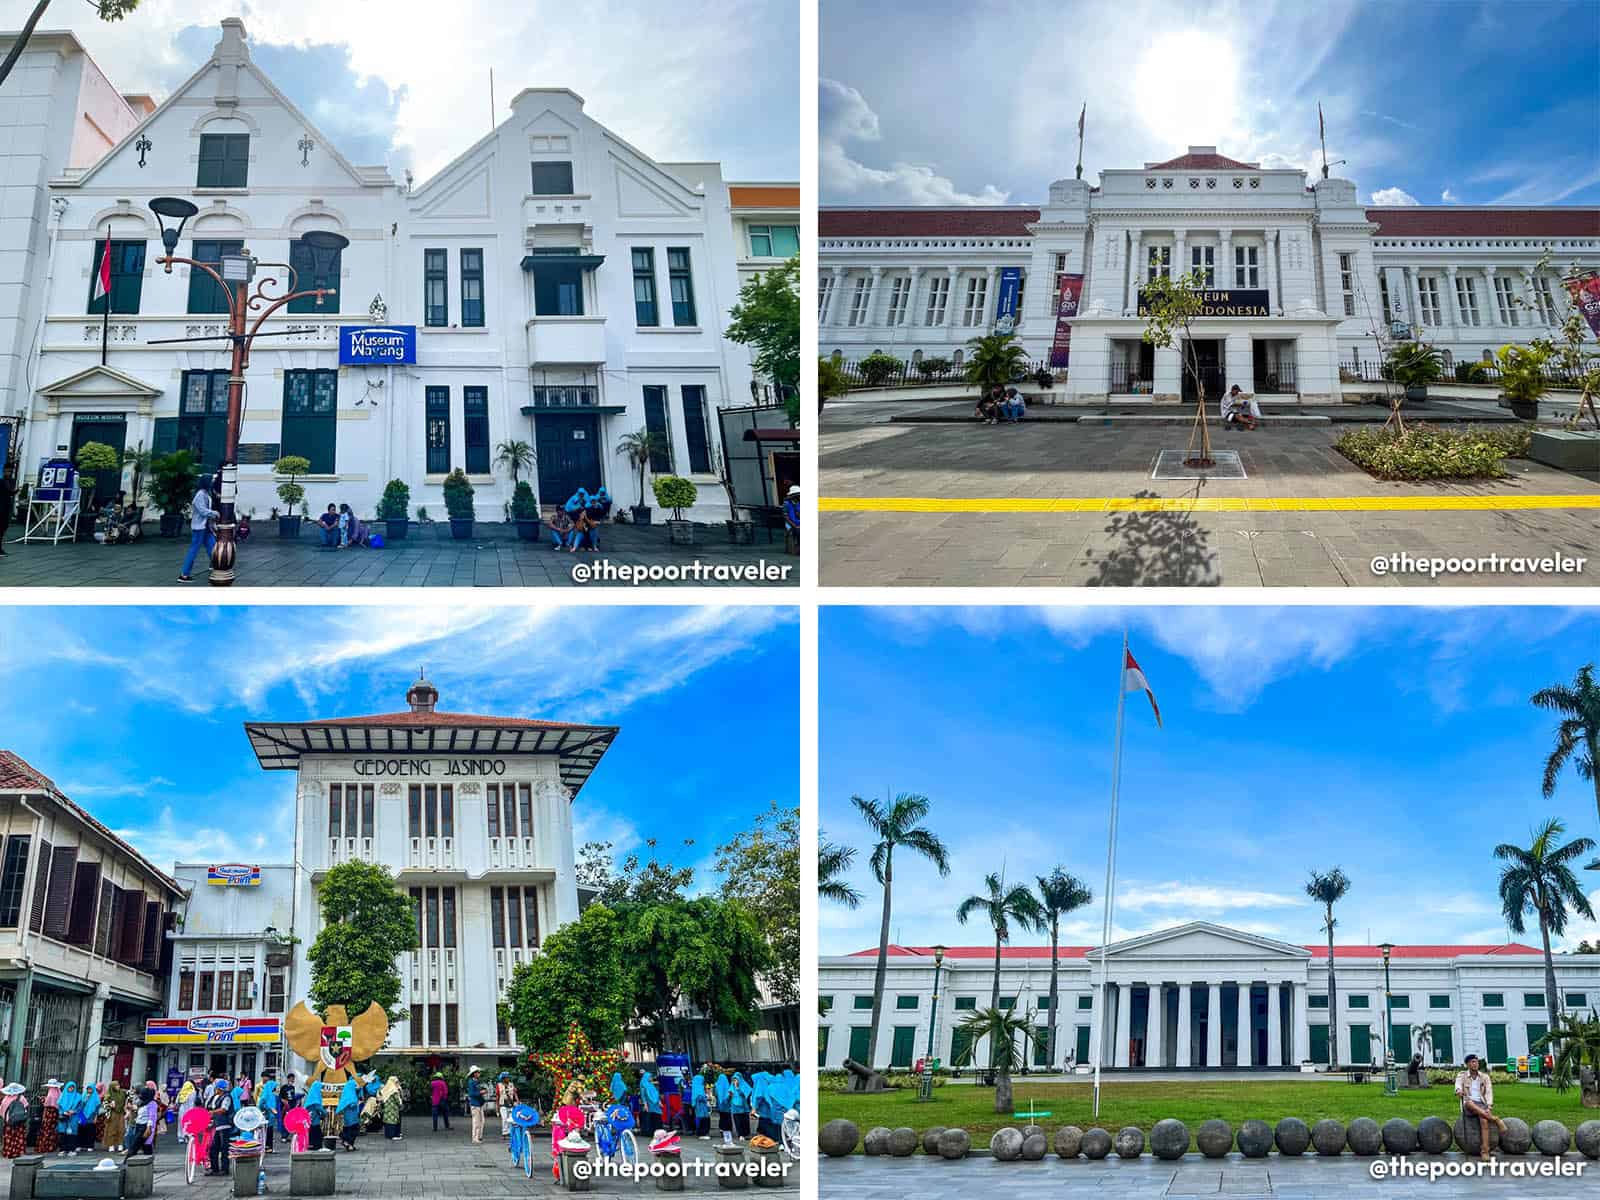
(926,1091)
(247,310)
(1391,1086)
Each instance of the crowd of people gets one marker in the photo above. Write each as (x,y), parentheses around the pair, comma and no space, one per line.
(576,524)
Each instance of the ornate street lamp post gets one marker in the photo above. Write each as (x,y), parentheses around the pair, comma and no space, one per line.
(1391,1086)
(926,1092)
(247,310)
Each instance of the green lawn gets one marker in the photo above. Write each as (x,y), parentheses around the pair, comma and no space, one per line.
(1191,1101)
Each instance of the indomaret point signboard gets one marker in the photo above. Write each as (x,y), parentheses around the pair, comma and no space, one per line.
(1226,302)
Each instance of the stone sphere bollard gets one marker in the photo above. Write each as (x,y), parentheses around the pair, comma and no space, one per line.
(1552,1138)
(1328,1137)
(1214,1137)
(1169,1139)
(1029,1130)
(1516,1137)
(930,1139)
(876,1142)
(1434,1135)
(954,1143)
(1364,1137)
(1399,1136)
(1006,1144)
(1130,1142)
(1069,1141)
(1586,1138)
(1096,1143)
(1255,1139)
(902,1142)
(1034,1145)
(838,1138)
(1469,1137)
(1292,1136)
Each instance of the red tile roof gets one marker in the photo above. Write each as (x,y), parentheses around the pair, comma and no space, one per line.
(1202,162)
(1021,952)
(1453,221)
(976,221)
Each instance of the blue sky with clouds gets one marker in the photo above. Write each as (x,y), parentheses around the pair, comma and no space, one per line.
(1396,742)
(1430,101)
(137,713)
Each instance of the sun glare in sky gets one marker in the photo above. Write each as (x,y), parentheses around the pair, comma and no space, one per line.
(1186,88)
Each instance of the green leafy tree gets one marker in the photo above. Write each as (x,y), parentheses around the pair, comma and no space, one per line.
(1059,894)
(761,867)
(581,974)
(1002,907)
(366,925)
(1575,1045)
(767,319)
(833,860)
(646,879)
(1009,1036)
(106,10)
(1578,735)
(1537,879)
(894,824)
(675,492)
(639,449)
(831,381)
(1327,888)
(878,368)
(994,360)
(707,951)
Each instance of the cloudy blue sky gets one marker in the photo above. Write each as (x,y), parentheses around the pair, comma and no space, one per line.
(1397,743)
(1430,101)
(406,82)
(137,713)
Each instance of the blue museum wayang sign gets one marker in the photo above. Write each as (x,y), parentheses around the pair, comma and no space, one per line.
(377,345)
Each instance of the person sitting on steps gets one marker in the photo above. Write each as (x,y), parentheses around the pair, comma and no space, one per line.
(1240,408)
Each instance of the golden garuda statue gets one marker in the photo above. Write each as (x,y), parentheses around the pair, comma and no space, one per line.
(332,1042)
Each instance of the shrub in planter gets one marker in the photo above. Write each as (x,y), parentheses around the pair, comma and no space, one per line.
(1471,372)
(1427,452)
(92,457)
(525,512)
(393,507)
(933,368)
(458,503)
(1414,365)
(877,368)
(290,492)
(1522,379)
(172,479)
(677,493)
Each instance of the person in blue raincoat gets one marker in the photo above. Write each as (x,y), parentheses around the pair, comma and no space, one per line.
(68,1117)
(267,1101)
(649,1104)
(576,503)
(761,1103)
(600,505)
(739,1101)
(313,1105)
(724,1095)
(702,1111)
(88,1114)
(349,1114)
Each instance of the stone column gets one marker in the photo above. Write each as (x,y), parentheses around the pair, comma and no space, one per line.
(1530,315)
(874,298)
(1169,375)
(1213,1025)
(1274,1025)
(1245,1041)
(1136,270)
(835,294)
(1185,1016)
(1155,1028)
(1269,267)
(1119,1048)
(1450,310)
(915,274)
(952,300)
(1238,360)
(1492,301)
(1300,1022)
(985,322)
(1414,285)
(1225,258)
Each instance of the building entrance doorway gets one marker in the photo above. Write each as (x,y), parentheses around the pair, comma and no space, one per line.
(110,429)
(1205,356)
(567,446)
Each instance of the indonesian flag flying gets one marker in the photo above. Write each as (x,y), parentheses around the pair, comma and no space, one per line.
(1133,680)
(102,278)
(1081,116)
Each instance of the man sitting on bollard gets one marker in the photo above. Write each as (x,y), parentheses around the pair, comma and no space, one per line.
(1477,1101)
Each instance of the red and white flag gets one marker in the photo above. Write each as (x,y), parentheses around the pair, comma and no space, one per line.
(1081,116)
(102,278)
(1133,680)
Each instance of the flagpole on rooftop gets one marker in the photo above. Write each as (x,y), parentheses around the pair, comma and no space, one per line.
(1111,873)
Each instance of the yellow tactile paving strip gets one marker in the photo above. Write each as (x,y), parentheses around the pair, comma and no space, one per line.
(1101,504)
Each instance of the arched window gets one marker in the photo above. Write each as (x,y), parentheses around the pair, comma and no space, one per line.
(956,359)
(916,356)
(1449,361)
(1488,356)
(838,357)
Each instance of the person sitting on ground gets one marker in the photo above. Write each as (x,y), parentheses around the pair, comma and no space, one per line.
(1013,407)
(329,522)
(561,529)
(1240,408)
(600,505)
(988,410)
(577,503)
(1476,1090)
(585,533)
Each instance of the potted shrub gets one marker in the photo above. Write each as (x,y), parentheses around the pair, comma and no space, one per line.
(677,493)
(393,506)
(91,457)
(933,368)
(1522,379)
(741,531)
(1414,365)
(638,448)
(172,479)
(831,382)
(878,369)
(525,512)
(291,493)
(458,503)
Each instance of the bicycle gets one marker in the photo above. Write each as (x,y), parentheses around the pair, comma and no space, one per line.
(613,1135)
(791,1134)
(196,1126)
(523,1118)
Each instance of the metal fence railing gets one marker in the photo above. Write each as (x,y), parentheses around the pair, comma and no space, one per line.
(1472,371)
(891,371)
(1279,379)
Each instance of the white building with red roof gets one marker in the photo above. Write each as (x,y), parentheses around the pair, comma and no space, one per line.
(1304,280)
(1178,999)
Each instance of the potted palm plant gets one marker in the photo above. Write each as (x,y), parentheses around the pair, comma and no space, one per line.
(995,361)
(172,479)
(1574,1045)
(677,493)
(516,457)
(393,509)
(458,503)
(290,492)
(1522,379)
(1414,365)
(1007,1037)
(139,459)
(638,449)
(91,458)
(525,512)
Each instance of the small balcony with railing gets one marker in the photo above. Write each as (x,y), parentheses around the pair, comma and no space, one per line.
(567,327)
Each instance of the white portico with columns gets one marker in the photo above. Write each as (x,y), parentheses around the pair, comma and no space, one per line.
(1202,996)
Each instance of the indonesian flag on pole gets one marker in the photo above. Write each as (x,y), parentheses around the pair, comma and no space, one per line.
(1133,680)
(1081,116)
(102,278)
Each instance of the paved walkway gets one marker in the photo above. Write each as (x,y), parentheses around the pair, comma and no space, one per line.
(427,558)
(1062,504)
(1309,1177)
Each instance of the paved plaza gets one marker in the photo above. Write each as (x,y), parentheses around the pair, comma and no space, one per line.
(1308,1177)
(912,497)
(428,557)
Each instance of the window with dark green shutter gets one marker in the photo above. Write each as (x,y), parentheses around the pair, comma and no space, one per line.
(1439,1000)
(206,295)
(905,1002)
(1577,999)
(1041,1046)
(306,277)
(472,288)
(1532,999)
(966,1003)
(1085,1003)
(557,283)
(437,400)
(475,414)
(858,1043)
(435,288)
(694,428)
(655,420)
(224,160)
(310,417)
(644,288)
(682,283)
(552,179)
(13,873)
(1494,999)
(203,417)
(822,1046)
(862,1003)
(127,277)
(960,1047)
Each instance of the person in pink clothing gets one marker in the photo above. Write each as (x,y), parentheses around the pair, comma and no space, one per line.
(568,1121)
(439,1097)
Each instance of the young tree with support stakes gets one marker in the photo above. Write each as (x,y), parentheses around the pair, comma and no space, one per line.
(1171,304)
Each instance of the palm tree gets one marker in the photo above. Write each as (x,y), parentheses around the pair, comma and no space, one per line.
(639,448)
(515,456)
(833,860)
(1328,889)
(139,459)
(894,823)
(1001,907)
(1538,880)
(1002,1029)
(1059,894)
(1579,706)
(1575,1045)
(997,358)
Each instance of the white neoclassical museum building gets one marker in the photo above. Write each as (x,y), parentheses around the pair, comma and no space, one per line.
(1179,999)
(1304,277)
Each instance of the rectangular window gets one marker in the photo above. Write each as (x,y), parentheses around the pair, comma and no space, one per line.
(447,811)
(430,810)
(448,900)
(492,806)
(1544,301)
(497,917)
(904,1003)
(1536,1030)
(695,431)
(824,295)
(552,179)
(438,416)
(525,807)
(85,896)
(1467,299)
(774,241)
(433,1025)
(1399,1000)
(1247,273)
(206,295)
(864,1004)
(435,288)
(1577,999)
(416,1031)
(1008,1002)
(1203,262)
(1383,293)
(1358,1001)
(1532,999)
(899,297)
(1055,296)
(307,276)
(13,875)
(432,896)
(963,1003)
(452,1025)
(1315,1000)
(203,417)
(861,301)
(224,160)
(825,1004)
(1438,1001)
(1428,292)
(208,990)
(508,798)
(530,905)
(277,991)
(557,285)
(1494,1000)
(367,805)
(1159,263)
(472,289)
(1444,1050)
(108,901)
(938,299)
(1347,284)
(977,301)
(243,994)
(514,916)
(414,811)
(310,420)
(41,884)
(475,422)
(186,989)
(655,420)
(415,895)
(645,312)
(682,283)
(127,277)
(1085,1003)
(1504,298)
(351,812)
(1044,1003)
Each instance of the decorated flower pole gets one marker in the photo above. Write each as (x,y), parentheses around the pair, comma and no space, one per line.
(579,1060)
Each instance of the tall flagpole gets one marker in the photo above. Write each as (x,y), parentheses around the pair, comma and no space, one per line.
(1111,873)
(105,313)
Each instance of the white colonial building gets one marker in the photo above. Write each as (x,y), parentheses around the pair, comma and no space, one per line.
(1304,277)
(1202,996)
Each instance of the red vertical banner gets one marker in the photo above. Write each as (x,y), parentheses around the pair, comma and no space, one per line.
(1584,289)
(1069,290)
